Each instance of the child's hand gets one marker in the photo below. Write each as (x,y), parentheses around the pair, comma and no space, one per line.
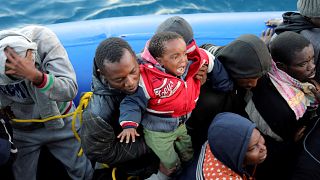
(127,133)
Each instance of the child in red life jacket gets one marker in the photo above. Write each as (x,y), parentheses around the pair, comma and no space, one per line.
(167,94)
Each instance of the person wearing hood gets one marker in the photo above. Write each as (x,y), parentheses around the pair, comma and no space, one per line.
(284,103)
(245,59)
(307,23)
(37,81)
(232,155)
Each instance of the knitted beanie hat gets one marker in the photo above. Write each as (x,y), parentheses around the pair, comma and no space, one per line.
(179,25)
(309,8)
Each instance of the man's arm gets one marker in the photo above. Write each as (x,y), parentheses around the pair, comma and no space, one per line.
(55,77)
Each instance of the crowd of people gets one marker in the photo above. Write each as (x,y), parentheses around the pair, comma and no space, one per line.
(177,110)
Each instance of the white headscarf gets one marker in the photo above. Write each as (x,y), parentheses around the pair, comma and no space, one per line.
(20,43)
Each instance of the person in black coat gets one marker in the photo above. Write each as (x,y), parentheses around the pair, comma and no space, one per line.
(284,103)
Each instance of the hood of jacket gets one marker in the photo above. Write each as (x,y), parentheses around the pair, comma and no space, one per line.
(246,57)
(293,21)
(228,136)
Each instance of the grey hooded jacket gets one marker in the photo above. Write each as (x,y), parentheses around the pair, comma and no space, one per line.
(25,99)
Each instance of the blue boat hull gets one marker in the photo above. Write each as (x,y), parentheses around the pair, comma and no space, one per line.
(81,38)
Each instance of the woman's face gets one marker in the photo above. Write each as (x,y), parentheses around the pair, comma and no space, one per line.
(257,151)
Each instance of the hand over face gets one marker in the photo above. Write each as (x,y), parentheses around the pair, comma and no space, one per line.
(23,67)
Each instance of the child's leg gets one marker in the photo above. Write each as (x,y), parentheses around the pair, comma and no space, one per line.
(183,144)
(162,145)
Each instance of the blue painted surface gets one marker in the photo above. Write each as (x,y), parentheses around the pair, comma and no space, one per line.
(81,38)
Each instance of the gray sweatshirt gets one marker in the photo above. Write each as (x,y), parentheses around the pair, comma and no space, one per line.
(54,96)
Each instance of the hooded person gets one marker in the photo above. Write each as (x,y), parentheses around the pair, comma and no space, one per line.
(37,81)
(307,23)
(231,155)
(245,59)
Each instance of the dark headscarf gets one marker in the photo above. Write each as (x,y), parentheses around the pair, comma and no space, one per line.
(246,57)
(228,136)
(179,25)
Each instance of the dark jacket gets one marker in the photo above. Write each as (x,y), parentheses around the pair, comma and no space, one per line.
(308,163)
(245,57)
(281,119)
(101,127)
(296,22)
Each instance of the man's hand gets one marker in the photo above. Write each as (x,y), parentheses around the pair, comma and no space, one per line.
(299,134)
(127,134)
(202,74)
(23,67)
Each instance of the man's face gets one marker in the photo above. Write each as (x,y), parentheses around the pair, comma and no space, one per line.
(123,75)
(247,83)
(302,66)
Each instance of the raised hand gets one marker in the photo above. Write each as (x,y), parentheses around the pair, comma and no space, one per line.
(23,67)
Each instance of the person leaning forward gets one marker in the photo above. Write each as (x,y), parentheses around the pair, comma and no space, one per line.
(37,81)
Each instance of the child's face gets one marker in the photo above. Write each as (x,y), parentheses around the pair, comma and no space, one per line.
(257,151)
(174,58)
(302,67)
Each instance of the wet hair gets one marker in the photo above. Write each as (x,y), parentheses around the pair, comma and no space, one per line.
(157,42)
(111,50)
(284,47)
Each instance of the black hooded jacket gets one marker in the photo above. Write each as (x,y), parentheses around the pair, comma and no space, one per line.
(245,57)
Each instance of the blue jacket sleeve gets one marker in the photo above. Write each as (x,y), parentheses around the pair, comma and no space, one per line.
(131,108)
(219,77)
